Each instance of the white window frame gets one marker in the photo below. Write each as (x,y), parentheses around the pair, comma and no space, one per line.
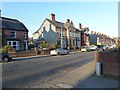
(87,38)
(13,34)
(17,44)
(72,34)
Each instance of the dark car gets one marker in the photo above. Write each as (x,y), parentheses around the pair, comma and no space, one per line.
(5,57)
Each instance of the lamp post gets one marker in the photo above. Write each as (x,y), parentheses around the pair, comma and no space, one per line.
(61,37)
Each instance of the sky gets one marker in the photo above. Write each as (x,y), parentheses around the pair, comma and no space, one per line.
(98,16)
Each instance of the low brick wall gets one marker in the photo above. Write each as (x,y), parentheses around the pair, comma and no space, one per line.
(23,53)
(110,62)
(43,51)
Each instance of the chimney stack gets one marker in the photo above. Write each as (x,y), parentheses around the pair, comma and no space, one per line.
(52,17)
(68,21)
(80,26)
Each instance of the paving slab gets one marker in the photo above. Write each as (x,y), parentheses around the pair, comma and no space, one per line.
(96,81)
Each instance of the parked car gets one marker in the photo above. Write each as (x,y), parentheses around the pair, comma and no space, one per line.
(59,51)
(85,49)
(68,51)
(93,48)
(5,57)
(105,47)
(112,46)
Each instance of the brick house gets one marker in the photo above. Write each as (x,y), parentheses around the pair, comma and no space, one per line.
(14,33)
(85,38)
(50,30)
(97,38)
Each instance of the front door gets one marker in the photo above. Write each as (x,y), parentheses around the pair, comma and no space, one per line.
(24,46)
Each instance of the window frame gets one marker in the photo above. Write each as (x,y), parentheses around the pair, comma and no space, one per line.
(25,35)
(13,35)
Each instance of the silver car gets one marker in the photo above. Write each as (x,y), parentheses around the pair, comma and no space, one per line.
(59,51)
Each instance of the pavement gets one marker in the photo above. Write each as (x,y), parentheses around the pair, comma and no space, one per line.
(30,57)
(96,81)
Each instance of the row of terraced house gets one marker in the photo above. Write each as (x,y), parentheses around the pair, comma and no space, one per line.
(15,34)
(50,31)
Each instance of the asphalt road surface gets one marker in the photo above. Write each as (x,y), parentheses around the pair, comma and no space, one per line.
(33,72)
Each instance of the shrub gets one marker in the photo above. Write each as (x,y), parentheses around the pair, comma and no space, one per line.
(44,45)
(53,46)
(30,46)
(5,48)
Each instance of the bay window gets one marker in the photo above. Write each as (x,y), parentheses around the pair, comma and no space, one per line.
(13,44)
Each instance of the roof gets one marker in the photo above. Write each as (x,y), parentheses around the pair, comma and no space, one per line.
(77,30)
(55,23)
(12,24)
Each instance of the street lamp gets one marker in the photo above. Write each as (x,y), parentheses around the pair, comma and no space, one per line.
(61,37)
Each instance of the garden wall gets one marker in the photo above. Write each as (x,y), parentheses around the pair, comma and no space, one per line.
(110,62)
(31,52)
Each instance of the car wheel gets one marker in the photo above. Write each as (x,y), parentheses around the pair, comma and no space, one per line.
(58,53)
(5,59)
(67,52)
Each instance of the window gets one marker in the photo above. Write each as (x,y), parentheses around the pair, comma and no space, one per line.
(43,29)
(87,38)
(50,26)
(14,44)
(77,35)
(13,34)
(71,34)
(25,35)
(9,43)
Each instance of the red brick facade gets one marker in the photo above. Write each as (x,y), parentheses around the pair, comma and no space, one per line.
(19,37)
(84,41)
(14,33)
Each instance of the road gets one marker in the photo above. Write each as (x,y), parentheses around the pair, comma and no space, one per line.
(42,71)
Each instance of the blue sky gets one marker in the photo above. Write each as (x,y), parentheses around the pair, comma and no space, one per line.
(98,16)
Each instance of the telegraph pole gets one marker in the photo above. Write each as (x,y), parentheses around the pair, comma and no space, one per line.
(61,37)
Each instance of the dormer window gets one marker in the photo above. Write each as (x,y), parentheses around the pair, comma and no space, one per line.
(13,34)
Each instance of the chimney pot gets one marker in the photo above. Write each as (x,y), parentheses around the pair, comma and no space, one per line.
(52,17)
(80,26)
(68,21)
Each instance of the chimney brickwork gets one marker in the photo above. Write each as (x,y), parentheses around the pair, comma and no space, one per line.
(52,17)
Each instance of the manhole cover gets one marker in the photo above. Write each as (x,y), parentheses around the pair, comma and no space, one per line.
(64,85)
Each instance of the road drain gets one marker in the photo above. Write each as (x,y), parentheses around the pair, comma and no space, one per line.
(61,85)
